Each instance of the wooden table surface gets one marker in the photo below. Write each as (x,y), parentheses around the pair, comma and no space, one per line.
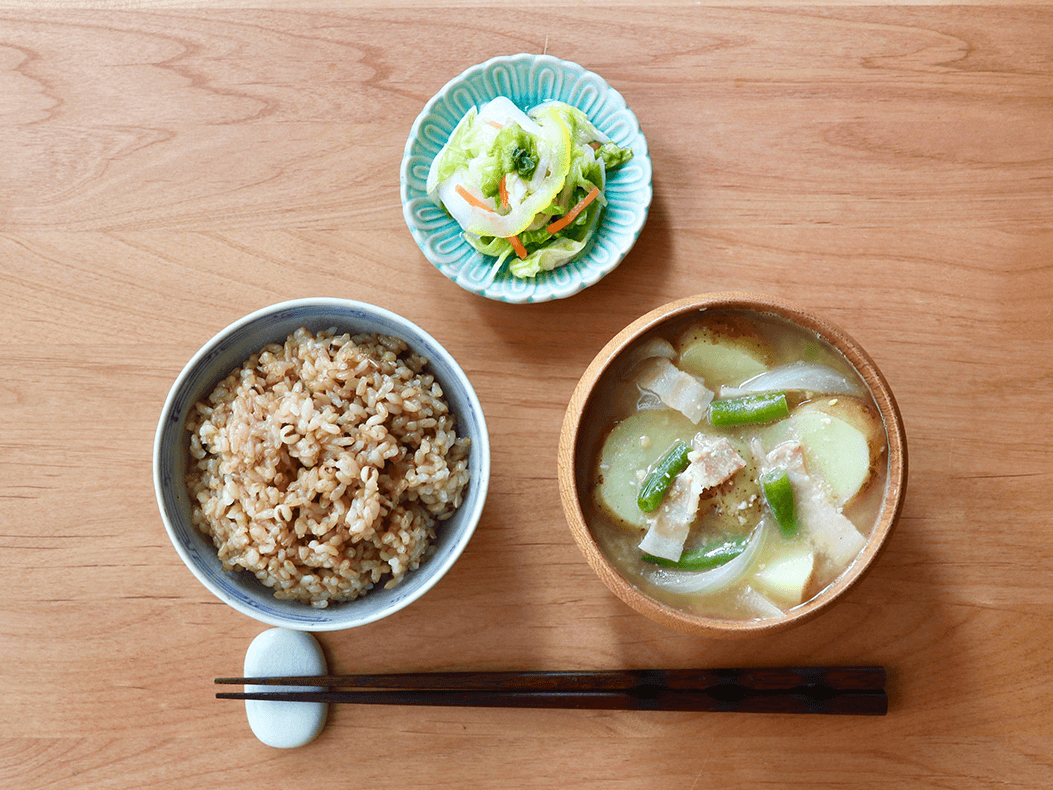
(164,172)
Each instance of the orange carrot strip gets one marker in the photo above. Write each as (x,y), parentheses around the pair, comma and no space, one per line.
(495,124)
(472,199)
(517,245)
(568,218)
(502,191)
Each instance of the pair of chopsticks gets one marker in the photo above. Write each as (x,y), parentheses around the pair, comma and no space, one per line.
(831,690)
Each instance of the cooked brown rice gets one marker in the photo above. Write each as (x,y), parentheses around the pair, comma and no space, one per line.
(324,464)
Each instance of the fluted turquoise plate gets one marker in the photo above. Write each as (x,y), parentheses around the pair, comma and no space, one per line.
(527,80)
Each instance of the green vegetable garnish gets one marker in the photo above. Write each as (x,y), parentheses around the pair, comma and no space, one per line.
(524,161)
(514,151)
(660,478)
(711,556)
(778,493)
(750,409)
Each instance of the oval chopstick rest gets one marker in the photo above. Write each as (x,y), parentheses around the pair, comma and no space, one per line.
(280,652)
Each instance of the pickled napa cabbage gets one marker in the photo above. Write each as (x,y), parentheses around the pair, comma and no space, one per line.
(526,188)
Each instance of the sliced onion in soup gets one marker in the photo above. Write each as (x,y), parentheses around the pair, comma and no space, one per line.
(807,376)
(717,579)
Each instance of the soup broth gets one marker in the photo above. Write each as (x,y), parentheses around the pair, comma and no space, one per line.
(772,453)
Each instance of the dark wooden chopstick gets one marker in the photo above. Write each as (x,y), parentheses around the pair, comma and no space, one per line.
(857,678)
(833,690)
(870,703)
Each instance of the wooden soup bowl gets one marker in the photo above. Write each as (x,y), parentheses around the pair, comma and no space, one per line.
(574,476)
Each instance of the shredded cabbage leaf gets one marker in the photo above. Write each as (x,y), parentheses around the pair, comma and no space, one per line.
(508,177)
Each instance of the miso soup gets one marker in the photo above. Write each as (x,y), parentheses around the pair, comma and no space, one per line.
(735,465)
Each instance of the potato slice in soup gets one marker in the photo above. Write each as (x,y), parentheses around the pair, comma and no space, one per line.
(723,353)
(785,578)
(843,441)
(630,449)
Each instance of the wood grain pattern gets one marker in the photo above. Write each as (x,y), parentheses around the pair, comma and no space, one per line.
(165,170)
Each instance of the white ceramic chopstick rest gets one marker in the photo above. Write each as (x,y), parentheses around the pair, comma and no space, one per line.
(280,652)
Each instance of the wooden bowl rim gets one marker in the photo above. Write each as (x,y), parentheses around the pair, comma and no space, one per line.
(892,501)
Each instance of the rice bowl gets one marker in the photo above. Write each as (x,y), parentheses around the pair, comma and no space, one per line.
(323,465)
(228,350)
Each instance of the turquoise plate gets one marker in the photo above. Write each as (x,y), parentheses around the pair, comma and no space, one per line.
(527,80)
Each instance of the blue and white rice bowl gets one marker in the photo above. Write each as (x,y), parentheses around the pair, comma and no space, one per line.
(228,350)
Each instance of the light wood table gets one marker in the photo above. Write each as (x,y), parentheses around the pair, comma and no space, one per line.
(164,172)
